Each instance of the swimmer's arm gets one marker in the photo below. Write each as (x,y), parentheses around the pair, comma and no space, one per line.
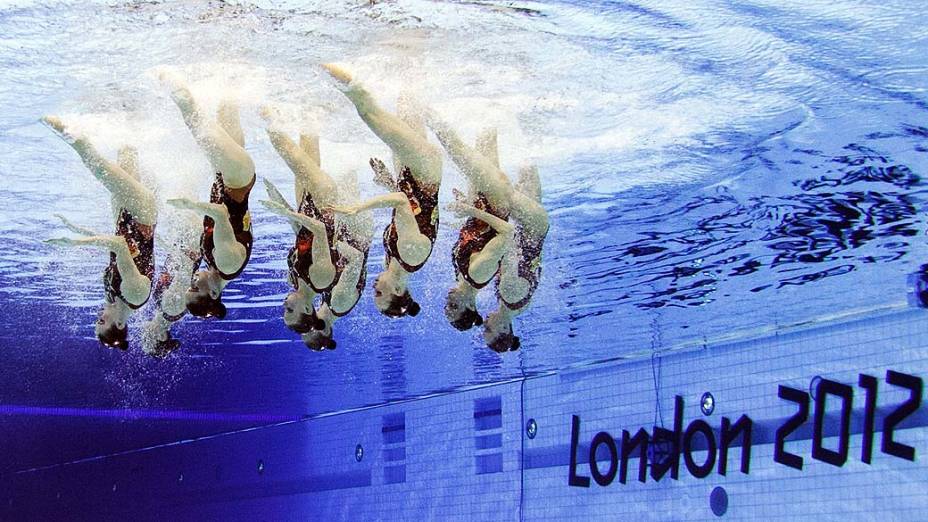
(172,300)
(278,198)
(77,229)
(396,200)
(463,209)
(314,225)
(382,175)
(135,284)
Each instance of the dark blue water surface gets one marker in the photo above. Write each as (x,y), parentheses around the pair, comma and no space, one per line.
(709,168)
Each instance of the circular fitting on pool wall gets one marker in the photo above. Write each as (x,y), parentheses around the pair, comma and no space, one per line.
(260,466)
(358,453)
(707,403)
(718,501)
(531,428)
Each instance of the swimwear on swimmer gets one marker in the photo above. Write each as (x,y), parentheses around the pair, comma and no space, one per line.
(340,266)
(424,205)
(300,257)
(473,238)
(236,202)
(529,267)
(164,281)
(141,241)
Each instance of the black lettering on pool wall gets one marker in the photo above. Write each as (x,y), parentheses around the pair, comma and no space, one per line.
(607,478)
(914,385)
(825,388)
(640,441)
(662,448)
(868,383)
(573,479)
(801,398)
(729,433)
(662,436)
(702,470)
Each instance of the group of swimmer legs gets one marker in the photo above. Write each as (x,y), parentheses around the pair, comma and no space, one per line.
(332,227)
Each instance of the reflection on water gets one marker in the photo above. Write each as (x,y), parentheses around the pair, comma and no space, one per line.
(797,238)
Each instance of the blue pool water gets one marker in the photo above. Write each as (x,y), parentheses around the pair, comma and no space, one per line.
(709,168)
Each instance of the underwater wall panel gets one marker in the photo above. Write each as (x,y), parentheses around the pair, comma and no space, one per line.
(520,450)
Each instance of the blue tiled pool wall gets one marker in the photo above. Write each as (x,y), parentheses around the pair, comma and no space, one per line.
(468,455)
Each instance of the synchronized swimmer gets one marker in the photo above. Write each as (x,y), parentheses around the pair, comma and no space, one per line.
(331,225)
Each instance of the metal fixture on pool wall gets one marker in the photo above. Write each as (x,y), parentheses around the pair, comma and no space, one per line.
(358,453)
(707,403)
(718,501)
(531,428)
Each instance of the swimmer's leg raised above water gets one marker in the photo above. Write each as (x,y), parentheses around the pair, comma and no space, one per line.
(127,157)
(303,160)
(310,145)
(126,190)
(487,145)
(223,151)
(227,115)
(482,171)
(229,253)
(529,182)
(411,148)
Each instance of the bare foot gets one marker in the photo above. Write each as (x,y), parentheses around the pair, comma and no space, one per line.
(338,72)
(55,123)
(171,78)
(58,127)
(268,113)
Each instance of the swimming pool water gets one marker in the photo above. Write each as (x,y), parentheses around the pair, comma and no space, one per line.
(709,167)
